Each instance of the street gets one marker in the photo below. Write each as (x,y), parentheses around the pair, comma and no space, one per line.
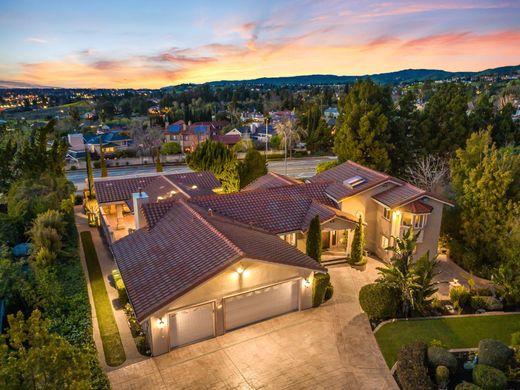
(299,168)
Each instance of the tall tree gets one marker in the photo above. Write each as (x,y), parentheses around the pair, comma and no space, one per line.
(90,174)
(357,253)
(253,166)
(158,164)
(102,161)
(362,132)
(313,243)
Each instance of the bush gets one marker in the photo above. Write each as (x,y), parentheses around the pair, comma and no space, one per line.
(142,345)
(489,378)
(120,287)
(329,292)
(442,376)
(478,302)
(97,164)
(379,302)
(438,356)
(515,339)
(460,297)
(483,292)
(169,148)
(467,386)
(322,167)
(494,353)
(320,284)
(492,303)
(411,371)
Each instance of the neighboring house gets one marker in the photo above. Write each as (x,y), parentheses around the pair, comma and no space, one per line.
(259,134)
(188,136)
(331,113)
(197,264)
(113,141)
(227,139)
(76,146)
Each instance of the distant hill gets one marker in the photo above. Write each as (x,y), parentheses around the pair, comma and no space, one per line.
(401,76)
(6,84)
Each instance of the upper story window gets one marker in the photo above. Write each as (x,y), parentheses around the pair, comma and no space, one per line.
(387,213)
(418,221)
(289,238)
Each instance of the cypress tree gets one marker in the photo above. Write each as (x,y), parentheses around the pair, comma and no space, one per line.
(102,162)
(90,176)
(158,165)
(358,244)
(313,245)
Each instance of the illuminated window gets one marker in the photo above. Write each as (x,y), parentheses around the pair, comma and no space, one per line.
(384,242)
(406,220)
(419,221)
(289,238)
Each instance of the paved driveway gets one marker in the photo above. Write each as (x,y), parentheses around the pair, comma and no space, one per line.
(331,347)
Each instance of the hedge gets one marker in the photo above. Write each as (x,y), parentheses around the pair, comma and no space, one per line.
(467,386)
(489,378)
(494,353)
(319,288)
(438,356)
(411,370)
(120,287)
(378,301)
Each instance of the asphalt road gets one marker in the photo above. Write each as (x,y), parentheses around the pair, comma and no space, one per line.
(298,168)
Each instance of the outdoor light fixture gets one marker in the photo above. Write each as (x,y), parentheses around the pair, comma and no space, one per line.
(306,282)
(194,187)
(173,192)
(240,270)
(160,323)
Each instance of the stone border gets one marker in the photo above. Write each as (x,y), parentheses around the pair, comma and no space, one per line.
(488,313)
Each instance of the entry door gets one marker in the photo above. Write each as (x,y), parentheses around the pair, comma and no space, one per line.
(261,304)
(192,324)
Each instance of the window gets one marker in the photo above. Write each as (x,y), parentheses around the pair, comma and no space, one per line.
(419,221)
(355,181)
(384,242)
(406,220)
(387,213)
(289,238)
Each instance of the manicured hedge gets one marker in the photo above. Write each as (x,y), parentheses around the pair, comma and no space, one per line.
(438,356)
(329,292)
(494,353)
(321,281)
(467,386)
(379,302)
(411,370)
(489,378)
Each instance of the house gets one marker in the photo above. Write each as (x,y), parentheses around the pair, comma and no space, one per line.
(76,146)
(188,136)
(197,264)
(112,141)
(331,113)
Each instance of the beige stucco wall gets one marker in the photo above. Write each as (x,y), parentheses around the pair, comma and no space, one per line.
(256,274)
(383,227)
(432,230)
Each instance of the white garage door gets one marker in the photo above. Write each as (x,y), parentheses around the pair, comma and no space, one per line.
(192,324)
(261,304)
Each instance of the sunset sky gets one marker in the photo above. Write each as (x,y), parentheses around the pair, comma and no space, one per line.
(157,43)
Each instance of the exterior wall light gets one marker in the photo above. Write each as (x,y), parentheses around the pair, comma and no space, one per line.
(194,187)
(240,270)
(306,282)
(160,323)
(246,273)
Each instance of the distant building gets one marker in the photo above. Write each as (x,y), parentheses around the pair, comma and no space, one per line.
(331,112)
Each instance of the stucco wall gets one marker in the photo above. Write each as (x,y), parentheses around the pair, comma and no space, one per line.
(432,230)
(256,274)
(383,227)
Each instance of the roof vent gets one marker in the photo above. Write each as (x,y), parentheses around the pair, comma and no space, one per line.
(355,181)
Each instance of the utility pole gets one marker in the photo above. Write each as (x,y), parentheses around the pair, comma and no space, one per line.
(285,138)
(266,139)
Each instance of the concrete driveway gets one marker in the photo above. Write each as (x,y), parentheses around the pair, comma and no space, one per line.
(331,347)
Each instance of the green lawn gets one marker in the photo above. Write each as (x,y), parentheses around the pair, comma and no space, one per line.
(112,346)
(456,332)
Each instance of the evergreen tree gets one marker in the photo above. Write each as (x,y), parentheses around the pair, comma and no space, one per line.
(253,166)
(313,244)
(7,154)
(358,244)
(158,164)
(102,162)
(90,174)
(363,133)
(405,135)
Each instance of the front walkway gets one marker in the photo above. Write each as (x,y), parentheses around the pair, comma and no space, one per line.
(330,347)
(107,265)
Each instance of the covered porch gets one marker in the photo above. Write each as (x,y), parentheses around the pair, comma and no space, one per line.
(336,239)
(117,220)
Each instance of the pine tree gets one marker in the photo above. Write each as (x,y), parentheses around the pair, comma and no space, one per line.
(363,133)
(253,166)
(102,162)
(158,164)
(90,175)
(313,244)
(358,244)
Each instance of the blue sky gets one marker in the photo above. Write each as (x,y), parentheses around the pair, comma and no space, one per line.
(156,43)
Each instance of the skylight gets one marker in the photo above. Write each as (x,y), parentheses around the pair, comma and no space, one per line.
(354,181)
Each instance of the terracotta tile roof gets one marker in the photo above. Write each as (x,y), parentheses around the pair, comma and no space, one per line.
(270,180)
(277,210)
(418,207)
(339,174)
(153,212)
(399,195)
(161,264)
(120,190)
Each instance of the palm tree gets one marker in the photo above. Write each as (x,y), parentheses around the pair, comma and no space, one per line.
(404,283)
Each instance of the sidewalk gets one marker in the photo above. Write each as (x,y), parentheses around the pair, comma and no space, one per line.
(107,265)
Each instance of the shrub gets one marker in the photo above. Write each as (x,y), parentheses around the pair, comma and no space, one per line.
(169,148)
(411,371)
(97,164)
(438,356)
(322,167)
(515,339)
(320,284)
(378,301)
(142,345)
(460,297)
(494,353)
(478,302)
(467,386)
(492,303)
(483,292)
(329,292)
(442,376)
(489,378)
(120,287)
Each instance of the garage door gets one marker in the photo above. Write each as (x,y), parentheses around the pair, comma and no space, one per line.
(192,324)
(261,304)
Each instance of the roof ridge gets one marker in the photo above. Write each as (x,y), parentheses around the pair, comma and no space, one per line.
(363,167)
(199,216)
(175,185)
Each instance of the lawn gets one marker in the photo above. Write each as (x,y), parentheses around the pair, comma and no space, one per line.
(112,346)
(455,332)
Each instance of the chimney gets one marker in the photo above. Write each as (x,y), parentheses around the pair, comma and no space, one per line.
(138,199)
(210,212)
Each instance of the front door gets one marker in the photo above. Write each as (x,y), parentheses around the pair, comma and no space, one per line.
(325,240)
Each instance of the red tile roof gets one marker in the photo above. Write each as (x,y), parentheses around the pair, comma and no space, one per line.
(399,195)
(120,190)
(270,180)
(418,207)
(187,247)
